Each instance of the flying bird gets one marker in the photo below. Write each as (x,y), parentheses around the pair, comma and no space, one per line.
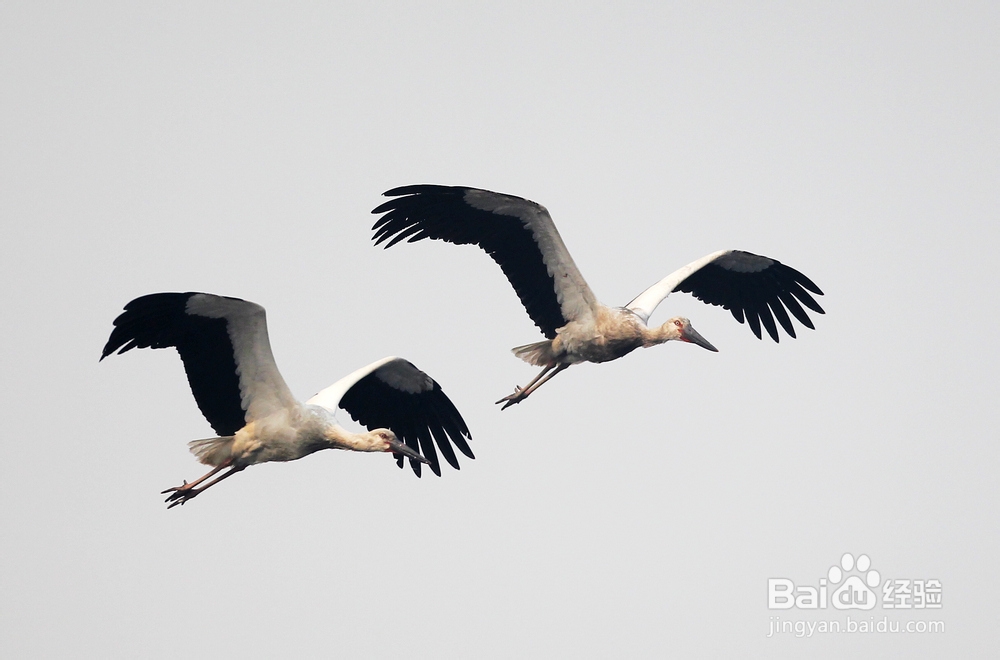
(520,236)
(226,353)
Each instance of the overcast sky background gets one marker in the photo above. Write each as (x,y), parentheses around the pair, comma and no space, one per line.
(631,509)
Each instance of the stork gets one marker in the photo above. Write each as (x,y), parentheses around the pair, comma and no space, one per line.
(227,356)
(521,237)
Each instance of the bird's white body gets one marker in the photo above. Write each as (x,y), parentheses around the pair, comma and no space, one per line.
(606,334)
(285,435)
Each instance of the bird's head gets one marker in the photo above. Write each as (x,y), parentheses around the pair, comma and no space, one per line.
(680,328)
(386,440)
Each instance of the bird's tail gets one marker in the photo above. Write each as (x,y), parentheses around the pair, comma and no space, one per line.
(212,451)
(539,354)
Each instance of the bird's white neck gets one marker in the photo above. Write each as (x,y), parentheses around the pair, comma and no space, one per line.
(669,331)
(340,438)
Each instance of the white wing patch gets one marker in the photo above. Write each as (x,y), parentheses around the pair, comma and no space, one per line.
(575,298)
(644,304)
(262,389)
(396,368)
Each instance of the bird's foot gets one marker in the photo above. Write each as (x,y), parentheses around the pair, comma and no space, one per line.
(180,494)
(511,399)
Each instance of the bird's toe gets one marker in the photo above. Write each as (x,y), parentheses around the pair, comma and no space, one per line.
(175,489)
(180,495)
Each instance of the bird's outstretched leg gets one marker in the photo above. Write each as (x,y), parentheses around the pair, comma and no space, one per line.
(521,393)
(186,491)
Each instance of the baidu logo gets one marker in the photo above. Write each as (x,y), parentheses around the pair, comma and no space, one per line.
(855,593)
(851,585)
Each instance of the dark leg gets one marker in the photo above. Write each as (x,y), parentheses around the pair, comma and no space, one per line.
(510,398)
(522,393)
(181,494)
(188,486)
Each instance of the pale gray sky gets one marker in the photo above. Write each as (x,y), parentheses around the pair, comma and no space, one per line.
(632,509)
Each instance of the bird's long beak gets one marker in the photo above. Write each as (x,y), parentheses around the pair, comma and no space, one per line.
(693,337)
(398,447)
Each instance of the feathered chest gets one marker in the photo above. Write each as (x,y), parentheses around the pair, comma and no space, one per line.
(613,333)
(285,436)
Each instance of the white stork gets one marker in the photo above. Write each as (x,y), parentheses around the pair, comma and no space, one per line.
(521,237)
(227,356)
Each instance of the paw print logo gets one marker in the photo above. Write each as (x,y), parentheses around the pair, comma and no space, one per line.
(855,593)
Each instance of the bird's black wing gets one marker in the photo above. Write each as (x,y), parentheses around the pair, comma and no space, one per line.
(398,396)
(160,320)
(517,233)
(754,288)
